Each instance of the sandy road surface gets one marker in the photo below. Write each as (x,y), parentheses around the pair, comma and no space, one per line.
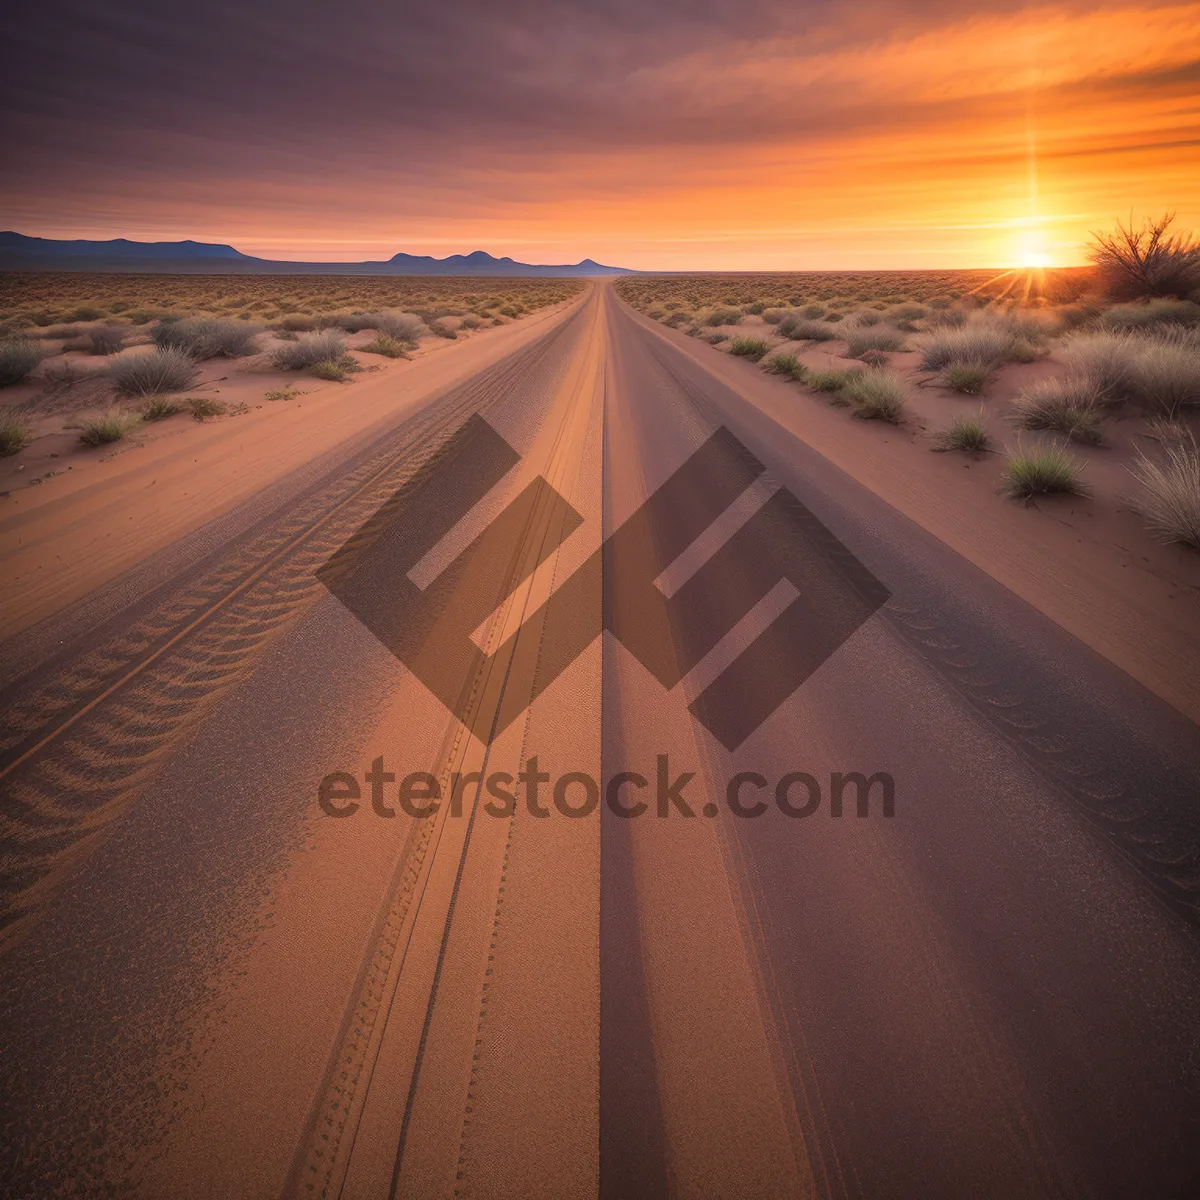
(210,988)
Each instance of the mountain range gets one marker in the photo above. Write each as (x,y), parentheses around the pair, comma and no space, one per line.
(21,253)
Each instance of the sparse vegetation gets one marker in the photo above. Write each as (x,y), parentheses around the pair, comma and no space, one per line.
(969,378)
(877,395)
(18,356)
(440,329)
(111,427)
(968,434)
(14,435)
(108,339)
(800,328)
(204,407)
(1150,314)
(752,348)
(875,338)
(282,394)
(1041,471)
(152,373)
(1169,500)
(724,316)
(1147,262)
(833,380)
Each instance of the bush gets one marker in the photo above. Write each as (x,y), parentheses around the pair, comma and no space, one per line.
(440,329)
(139,374)
(1146,262)
(1044,470)
(1169,502)
(108,339)
(207,337)
(991,338)
(389,347)
(877,396)
(159,409)
(804,329)
(334,369)
(1106,361)
(326,346)
(111,427)
(967,433)
(1071,406)
(969,378)
(14,436)
(470,321)
(864,318)
(752,348)
(298,323)
(880,339)
(772,316)
(787,365)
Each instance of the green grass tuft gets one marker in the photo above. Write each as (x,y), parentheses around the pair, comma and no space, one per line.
(752,348)
(1042,471)
(111,427)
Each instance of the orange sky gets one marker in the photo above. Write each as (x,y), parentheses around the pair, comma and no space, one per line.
(703,136)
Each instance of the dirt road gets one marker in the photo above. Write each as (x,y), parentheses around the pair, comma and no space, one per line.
(273,927)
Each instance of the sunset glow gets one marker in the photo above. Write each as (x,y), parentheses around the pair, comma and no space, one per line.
(734,137)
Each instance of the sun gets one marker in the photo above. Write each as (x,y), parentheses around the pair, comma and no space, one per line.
(1034,260)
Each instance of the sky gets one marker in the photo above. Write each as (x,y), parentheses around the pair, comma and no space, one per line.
(655,134)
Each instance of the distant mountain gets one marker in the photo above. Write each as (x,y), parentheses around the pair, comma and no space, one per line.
(21,253)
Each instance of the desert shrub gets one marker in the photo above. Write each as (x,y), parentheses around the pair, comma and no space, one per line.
(207,337)
(804,329)
(327,346)
(108,339)
(772,316)
(988,338)
(877,396)
(65,332)
(864,318)
(860,341)
(785,364)
(1169,501)
(1150,314)
(470,321)
(111,427)
(968,434)
(814,312)
(18,356)
(1147,262)
(724,316)
(161,370)
(203,407)
(907,312)
(298,323)
(1166,377)
(282,394)
(1104,360)
(969,378)
(14,436)
(752,348)
(832,380)
(86,312)
(159,408)
(389,347)
(945,318)
(1071,406)
(1042,470)
(715,337)
(678,318)
(440,329)
(834,317)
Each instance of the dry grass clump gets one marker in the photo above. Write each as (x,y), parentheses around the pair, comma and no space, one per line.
(439,328)
(800,328)
(986,338)
(833,380)
(724,316)
(968,434)
(969,378)
(1147,262)
(1072,406)
(1151,313)
(207,337)
(18,356)
(14,435)
(108,339)
(787,365)
(159,409)
(878,338)
(389,347)
(111,427)
(335,369)
(327,346)
(297,323)
(1166,377)
(752,348)
(1041,471)
(141,374)
(877,395)
(1159,372)
(1169,501)
(203,407)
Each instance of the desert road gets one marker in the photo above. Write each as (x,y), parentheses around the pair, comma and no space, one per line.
(266,934)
